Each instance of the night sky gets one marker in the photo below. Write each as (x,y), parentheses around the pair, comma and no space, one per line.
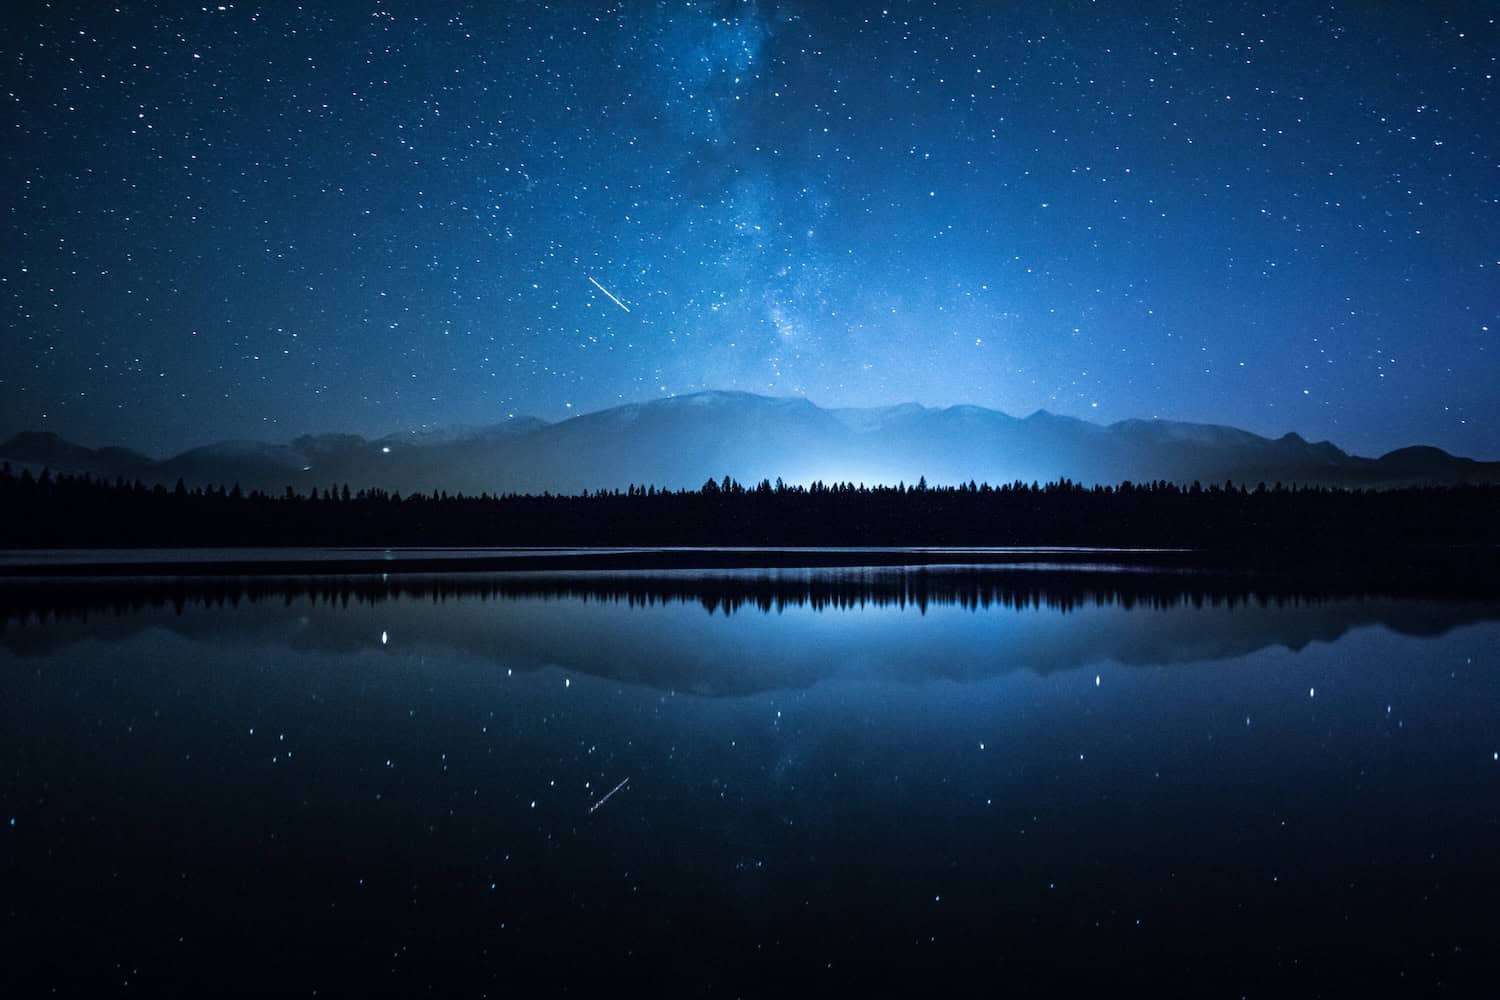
(258,220)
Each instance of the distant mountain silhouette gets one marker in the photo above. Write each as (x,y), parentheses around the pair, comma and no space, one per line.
(43,449)
(681,441)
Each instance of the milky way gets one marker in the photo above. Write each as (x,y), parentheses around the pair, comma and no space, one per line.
(253,220)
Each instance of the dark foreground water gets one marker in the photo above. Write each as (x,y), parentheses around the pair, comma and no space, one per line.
(904,781)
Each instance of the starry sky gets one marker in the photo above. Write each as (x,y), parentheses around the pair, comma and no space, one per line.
(265,219)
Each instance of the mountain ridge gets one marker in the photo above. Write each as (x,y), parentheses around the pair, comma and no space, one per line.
(680,441)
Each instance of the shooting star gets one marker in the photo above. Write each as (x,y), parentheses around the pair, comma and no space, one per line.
(611,295)
(622,784)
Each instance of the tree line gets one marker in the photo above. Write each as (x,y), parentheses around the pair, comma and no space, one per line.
(50,510)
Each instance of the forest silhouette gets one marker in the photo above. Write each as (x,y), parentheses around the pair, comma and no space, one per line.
(47,510)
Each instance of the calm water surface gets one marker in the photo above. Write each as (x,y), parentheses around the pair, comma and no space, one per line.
(740,784)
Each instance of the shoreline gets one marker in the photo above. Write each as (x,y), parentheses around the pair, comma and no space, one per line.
(1469,568)
(367,561)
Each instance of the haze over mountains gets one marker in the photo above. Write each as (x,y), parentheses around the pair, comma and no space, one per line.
(681,441)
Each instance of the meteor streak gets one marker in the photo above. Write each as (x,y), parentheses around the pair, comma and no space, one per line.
(611,295)
(621,785)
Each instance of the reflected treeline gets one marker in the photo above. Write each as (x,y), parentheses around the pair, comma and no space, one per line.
(717,593)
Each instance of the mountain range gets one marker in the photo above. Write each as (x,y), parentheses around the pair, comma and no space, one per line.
(680,441)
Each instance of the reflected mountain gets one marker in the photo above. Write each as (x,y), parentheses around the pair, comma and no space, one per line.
(733,633)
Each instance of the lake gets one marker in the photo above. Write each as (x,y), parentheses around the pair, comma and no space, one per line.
(966,778)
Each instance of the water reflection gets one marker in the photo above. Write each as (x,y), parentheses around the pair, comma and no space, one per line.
(888,782)
(739,633)
(726,591)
